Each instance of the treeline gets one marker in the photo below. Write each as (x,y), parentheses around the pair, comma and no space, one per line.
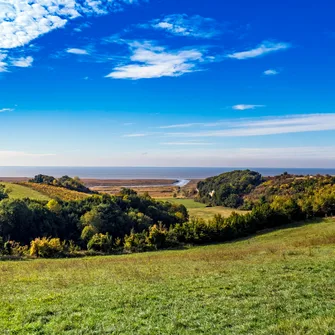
(25,220)
(246,189)
(104,232)
(67,182)
(228,189)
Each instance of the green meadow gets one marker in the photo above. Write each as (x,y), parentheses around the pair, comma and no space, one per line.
(197,209)
(277,282)
(17,191)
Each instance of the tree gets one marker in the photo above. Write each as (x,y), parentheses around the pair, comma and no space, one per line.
(3,192)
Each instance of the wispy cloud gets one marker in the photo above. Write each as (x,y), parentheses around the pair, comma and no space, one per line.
(267,126)
(77,51)
(151,61)
(186,143)
(3,110)
(270,72)
(263,49)
(24,21)
(245,107)
(182,125)
(136,135)
(183,25)
(3,65)
(13,154)
(22,61)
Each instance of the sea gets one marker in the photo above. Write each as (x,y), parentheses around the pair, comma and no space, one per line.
(173,173)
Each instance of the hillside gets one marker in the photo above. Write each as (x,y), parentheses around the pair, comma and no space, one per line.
(245,189)
(16,191)
(228,188)
(280,282)
(74,184)
(287,185)
(55,192)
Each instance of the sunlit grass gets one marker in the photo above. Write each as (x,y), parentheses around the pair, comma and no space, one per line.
(280,282)
(55,192)
(16,191)
(197,209)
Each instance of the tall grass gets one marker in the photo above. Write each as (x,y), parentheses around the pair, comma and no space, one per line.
(278,282)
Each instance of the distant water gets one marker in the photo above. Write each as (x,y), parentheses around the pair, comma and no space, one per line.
(175,173)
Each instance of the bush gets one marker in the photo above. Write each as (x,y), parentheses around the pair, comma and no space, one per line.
(100,242)
(47,248)
(87,233)
(157,236)
(136,242)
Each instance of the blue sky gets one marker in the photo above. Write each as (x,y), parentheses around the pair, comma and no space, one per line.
(167,83)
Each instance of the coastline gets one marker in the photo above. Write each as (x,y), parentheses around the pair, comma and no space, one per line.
(108,183)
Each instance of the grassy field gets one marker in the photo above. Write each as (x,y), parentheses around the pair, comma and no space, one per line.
(20,192)
(55,192)
(281,282)
(200,210)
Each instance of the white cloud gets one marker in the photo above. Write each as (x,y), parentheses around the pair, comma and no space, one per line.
(22,61)
(3,110)
(3,65)
(261,50)
(245,107)
(24,21)
(77,51)
(149,61)
(184,25)
(270,72)
(267,126)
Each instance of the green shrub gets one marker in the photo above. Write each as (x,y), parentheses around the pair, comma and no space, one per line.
(87,233)
(136,242)
(47,248)
(100,242)
(157,236)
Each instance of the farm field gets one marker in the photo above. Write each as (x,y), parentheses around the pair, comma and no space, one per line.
(280,282)
(197,209)
(21,192)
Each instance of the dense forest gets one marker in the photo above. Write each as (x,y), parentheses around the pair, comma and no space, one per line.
(247,189)
(228,189)
(128,222)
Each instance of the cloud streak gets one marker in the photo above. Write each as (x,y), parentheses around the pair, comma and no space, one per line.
(14,154)
(150,61)
(245,107)
(268,126)
(261,50)
(186,143)
(4,110)
(188,26)
(77,51)
(270,72)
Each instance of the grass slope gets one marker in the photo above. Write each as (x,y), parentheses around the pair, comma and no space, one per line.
(56,192)
(281,282)
(21,192)
(198,209)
